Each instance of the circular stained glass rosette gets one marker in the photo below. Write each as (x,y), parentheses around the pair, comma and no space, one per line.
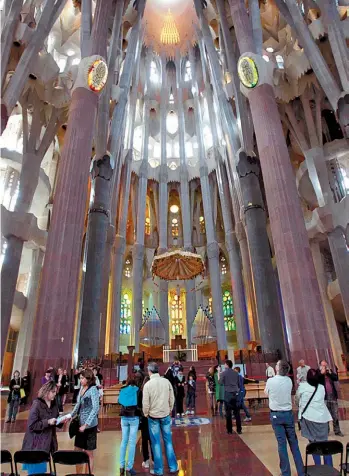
(248,72)
(178,265)
(97,75)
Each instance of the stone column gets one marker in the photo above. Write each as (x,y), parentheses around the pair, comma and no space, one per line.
(163,196)
(340,256)
(115,263)
(34,151)
(230,238)
(306,325)
(269,313)
(98,224)
(212,245)
(138,247)
(185,200)
(55,319)
(330,319)
(248,282)
(26,330)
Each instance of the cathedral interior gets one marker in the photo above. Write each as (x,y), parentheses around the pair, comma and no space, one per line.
(174,177)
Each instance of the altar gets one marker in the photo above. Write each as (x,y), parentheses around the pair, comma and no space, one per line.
(191,355)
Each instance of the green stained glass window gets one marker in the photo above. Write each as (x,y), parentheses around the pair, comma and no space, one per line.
(125,321)
(228,311)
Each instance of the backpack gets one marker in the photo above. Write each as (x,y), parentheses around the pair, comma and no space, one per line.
(128,396)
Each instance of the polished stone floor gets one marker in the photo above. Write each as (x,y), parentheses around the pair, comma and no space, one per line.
(201,450)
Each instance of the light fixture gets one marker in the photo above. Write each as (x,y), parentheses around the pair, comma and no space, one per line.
(266,58)
(174,221)
(248,72)
(174,208)
(75,61)
(70,52)
(270,49)
(169,32)
(201,219)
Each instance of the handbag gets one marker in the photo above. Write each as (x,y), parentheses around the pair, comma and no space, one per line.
(305,408)
(74,426)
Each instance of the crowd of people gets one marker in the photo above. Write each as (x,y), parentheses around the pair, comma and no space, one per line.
(148,401)
(317,399)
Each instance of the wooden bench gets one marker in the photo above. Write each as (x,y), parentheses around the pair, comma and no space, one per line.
(255,394)
(111,396)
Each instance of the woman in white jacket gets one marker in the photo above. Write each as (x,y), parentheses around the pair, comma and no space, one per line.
(313,412)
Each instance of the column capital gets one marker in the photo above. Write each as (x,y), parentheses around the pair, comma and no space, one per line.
(138,251)
(143,170)
(102,168)
(229,241)
(247,164)
(212,250)
(203,170)
(252,65)
(119,244)
(163,175)
(92,74)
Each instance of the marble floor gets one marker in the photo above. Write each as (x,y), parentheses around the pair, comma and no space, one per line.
(201,450)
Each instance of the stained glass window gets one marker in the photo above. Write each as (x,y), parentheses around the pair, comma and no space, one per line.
(128,267)
(174,227)
(223,265)
(176,316)
(228,311)
(125,320)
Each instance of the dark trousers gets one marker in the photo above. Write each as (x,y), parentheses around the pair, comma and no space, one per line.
(179,403)
(190,401)
(284,429)
(231,405)
(75,394)
(146,440)
(332,405)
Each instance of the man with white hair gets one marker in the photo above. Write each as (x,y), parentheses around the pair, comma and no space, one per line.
(158,401)
(302,371)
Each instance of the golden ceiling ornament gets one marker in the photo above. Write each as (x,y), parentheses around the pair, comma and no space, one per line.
(169,33)
(176,265)
(248,72)
(97,75)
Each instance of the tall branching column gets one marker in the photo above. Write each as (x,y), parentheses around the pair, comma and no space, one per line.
(26,330)
(230,238)
(185,200)
(163,196)
(34,151)
(340,255)
(212,245)
(305,320)
(120,239)
(138,247)
(55,320)
(14,89)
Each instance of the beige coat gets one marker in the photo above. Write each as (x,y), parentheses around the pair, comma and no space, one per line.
(158,397)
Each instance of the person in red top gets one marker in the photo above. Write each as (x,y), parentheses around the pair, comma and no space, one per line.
(327,377)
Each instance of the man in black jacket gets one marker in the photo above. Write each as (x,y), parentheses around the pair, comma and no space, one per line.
(327,378)
(230,380)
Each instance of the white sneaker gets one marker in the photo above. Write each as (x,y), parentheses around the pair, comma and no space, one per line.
(178,415)
(146,464)
(183,414)
(248,419)
(192,412)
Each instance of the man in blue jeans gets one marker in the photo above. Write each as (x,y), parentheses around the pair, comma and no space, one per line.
(279,390)
(158,401)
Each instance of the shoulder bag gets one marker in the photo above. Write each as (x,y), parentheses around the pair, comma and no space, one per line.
(305,408)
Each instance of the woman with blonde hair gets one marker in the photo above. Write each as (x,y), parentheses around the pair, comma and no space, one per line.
(41,426)
(86,409)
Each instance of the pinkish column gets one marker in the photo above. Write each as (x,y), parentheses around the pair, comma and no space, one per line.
(56,312)
(305,319)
